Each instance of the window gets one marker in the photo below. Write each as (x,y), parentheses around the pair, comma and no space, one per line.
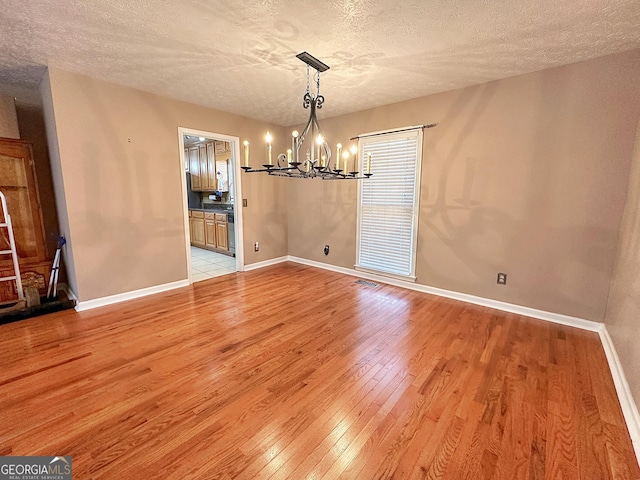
(388,203)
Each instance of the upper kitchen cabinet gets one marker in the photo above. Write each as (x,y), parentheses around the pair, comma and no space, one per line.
(210,184)
(194,168)
(204,178)
(209,166)
(222,148)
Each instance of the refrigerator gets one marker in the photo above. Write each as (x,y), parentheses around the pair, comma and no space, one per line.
(193,198)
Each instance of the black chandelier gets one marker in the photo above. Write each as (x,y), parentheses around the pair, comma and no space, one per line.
(317,158)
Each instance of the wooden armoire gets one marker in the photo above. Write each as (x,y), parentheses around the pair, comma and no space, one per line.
(19,184)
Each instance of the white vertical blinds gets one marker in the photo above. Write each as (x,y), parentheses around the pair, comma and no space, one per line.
(388,203)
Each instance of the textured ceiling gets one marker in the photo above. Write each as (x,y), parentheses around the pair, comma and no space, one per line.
(239,56)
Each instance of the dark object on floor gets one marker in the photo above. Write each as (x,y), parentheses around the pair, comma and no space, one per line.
(47,305)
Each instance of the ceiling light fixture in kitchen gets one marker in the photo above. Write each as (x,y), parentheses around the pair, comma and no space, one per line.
(316,154)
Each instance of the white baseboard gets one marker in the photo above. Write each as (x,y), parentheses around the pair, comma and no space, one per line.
(629,408)
(121,297)
(265,263)
(463,297)
(143,292)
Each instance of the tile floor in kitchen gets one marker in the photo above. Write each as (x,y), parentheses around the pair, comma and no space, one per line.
(206,264)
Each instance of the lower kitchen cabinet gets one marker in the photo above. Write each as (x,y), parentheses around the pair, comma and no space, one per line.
(209,230)
(210,233)
(222,232)
(197,229)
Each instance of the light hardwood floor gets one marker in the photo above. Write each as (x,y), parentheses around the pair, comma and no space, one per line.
(295,372)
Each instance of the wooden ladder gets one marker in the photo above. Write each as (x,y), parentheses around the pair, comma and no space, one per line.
(12,250)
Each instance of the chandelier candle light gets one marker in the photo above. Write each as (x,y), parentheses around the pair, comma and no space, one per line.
(317,158)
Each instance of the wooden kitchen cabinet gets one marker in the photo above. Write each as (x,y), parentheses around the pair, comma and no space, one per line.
(194,168)
(222,147)
(198,238)
(210,233)
(204,177)
(211,183)
(196,229)
(210,230)
(202,164)
(222,231)
(208,172)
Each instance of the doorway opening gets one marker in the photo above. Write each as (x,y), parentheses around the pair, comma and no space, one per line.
(212,205)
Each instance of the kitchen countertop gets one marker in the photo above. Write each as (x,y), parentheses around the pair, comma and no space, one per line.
(226,208)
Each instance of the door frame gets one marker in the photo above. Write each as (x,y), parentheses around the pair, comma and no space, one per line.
(237,194)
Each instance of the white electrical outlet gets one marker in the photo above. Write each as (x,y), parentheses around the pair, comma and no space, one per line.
(256,247)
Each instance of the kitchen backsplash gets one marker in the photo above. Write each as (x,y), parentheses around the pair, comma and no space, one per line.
(224,198)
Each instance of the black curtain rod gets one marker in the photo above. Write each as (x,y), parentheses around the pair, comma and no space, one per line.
(431,125)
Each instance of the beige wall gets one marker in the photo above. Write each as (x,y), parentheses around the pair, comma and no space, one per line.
(623,311)
(118,166)
(526,176)
(58,182)
(32,130)
(8,118)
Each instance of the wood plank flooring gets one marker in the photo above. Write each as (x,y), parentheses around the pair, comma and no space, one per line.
(294,372)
